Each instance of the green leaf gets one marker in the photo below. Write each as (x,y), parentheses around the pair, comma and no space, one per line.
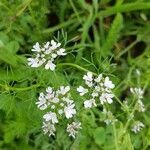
(8,57)
(13,47)
(3,38)
(99,135)
(113,35)
(14,129)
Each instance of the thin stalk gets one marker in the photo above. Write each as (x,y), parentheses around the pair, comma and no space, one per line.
(9,88)
(124,8)
(60,26)
(115,137)
(76,66)
(127,49)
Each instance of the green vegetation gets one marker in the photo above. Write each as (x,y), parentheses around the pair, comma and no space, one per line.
(101,36)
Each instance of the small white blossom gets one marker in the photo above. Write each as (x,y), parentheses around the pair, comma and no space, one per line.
(138,92)
(54,45)
(88,79)
(49,90)
(95,94)
(137,126)
(69,111)
(50,116)
(41,104)
(48,128)
(61,52)
(33,62)
(50,65)
(108,84)
(140,106)
(63,90)
(53,107)
(36,47)
(73,128)
(99,78)
(109,118)
(82,90)
(60,111)
(106,98)
(89,103)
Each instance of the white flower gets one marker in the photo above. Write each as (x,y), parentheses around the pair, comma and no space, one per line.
(109,118)
(106,98)
(60,111)
(140,106)
(63,90)
(36,47)
(49,90)
(73,128)
(82,90)
(55,100)
(50,65)
(61,52)
(46,46)
(96,87)
(99,78)
(67,100)
(70,111)
(89,103)
(137,126)
(94,94)
(48,128)
(41,104)
(53,107)
(54,44)
(33,62)
(59,103)
(108,84)
(88,79)
(54,55)
(138,92)
(50,116)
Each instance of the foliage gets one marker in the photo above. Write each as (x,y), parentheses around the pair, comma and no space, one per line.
(102,36)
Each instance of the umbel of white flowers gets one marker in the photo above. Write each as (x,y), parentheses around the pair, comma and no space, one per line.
(139,106)
(58,103)
(96,90)
(137,126)
(46,54)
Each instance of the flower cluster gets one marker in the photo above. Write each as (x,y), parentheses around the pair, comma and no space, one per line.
(46,54)
(137,126)
(109,118)
(139,106)
(72,128)
(138,92)
(58,103)
(96,88)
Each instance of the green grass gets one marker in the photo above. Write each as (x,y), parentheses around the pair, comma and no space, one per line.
(101,36)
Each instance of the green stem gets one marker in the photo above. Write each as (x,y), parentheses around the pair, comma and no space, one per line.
(9,88)
(61,25)
(115,137)
(76,66)
(118,100)
(124,8)
(127,49)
